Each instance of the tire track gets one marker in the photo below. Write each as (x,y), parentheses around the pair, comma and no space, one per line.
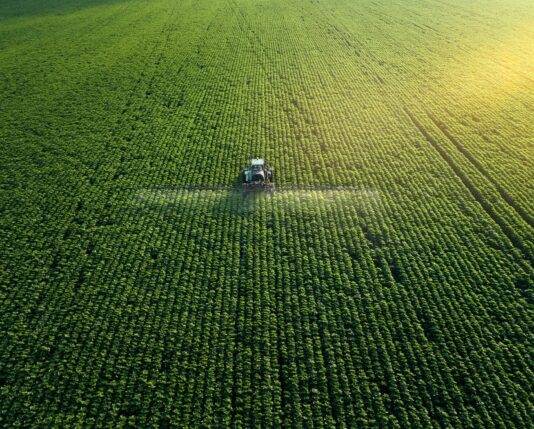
(516,241)
(504,195)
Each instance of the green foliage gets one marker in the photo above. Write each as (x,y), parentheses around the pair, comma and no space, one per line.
(124,305)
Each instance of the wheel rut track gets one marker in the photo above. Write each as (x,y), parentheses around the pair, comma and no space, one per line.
(504,195)
(236,324)
(503,226)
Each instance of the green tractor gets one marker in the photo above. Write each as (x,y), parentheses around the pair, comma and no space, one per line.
(258,176)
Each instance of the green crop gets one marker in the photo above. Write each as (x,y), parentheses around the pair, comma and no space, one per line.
(128,299)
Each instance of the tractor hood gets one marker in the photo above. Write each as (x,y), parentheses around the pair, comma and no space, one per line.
(254,175)
(258,176)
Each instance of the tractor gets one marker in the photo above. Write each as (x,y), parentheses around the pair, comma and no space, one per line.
(258,176)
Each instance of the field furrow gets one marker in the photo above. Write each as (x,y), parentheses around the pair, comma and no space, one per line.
(387,282)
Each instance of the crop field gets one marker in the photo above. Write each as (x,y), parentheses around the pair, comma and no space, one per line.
(387,283)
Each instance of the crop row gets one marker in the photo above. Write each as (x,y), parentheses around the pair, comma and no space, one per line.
(127,300)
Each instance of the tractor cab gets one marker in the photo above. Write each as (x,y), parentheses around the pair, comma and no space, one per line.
(258,176)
